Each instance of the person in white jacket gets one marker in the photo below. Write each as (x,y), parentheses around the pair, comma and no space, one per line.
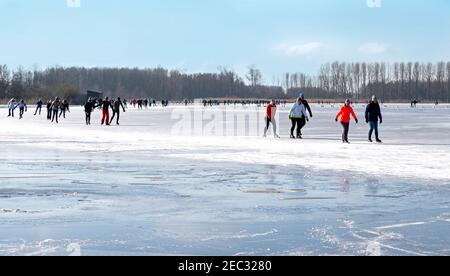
(298,116)
(12,104)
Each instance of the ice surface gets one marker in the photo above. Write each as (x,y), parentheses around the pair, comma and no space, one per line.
(142,189)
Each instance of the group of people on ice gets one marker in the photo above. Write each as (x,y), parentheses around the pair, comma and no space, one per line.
(299,112)
(13,104)
(106,104)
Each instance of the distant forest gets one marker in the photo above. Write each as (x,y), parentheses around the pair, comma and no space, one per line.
(334,81)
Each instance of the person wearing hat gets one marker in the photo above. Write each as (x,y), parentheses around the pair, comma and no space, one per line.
(298,115)
(308,108)
(344,116)
(305,103)
(271,112)
(373,114)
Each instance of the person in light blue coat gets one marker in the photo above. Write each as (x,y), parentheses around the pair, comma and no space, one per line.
(12,104)
(298,117)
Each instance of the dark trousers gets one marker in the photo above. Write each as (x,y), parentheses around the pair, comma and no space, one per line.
(302,124)
(11,113)
(38,109)
(63,112)
(55,116)
(299,122)
(346,127)
(373,127)
(115,113)
(21,111)
(49,114)
(88,118)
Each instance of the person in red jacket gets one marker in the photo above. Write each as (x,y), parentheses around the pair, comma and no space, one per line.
(344,116)
(105,104)
(271,111)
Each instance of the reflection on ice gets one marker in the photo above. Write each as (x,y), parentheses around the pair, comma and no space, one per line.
(138,191)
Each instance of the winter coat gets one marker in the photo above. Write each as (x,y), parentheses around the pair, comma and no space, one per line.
(298,111)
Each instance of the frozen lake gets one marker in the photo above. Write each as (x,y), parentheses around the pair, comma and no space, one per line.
(156,186)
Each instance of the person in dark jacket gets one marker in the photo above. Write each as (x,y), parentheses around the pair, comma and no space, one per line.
(49,110)
(308,108)
(88,108)
(56,105)
(64,108)
(38,107)
(116,110)
(373,115)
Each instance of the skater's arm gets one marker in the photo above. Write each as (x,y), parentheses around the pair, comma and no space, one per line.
(304,113)
(121,104)
(354,116)
(367,113)
(339,114)
(379,114)
(308,108)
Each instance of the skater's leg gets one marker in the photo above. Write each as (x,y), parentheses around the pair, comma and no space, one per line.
(302,124)
(113,116)
(298,122)
(346,127)
(103,117)
(266,128)
(118,117)
(375,127)
(293,126)
(371,124)
(274,126)
(107,117)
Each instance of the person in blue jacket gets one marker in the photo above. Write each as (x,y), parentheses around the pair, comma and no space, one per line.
(38,107)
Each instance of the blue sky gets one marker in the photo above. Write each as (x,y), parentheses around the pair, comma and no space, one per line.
(202,35)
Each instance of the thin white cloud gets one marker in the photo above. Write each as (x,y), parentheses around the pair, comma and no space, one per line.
(374,3)
(373,48)
(296,50)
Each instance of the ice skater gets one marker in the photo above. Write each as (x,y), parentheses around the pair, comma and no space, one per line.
(106,104)
(64,108)
(344,116)
(116,110)
(308,108)
(88,109)
(49,110)
(22,108)
(271,112)
(297,115)
(56,105)
(12,104)
(38,107)
(373,113)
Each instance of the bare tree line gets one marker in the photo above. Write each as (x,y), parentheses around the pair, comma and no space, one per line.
(401,81)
